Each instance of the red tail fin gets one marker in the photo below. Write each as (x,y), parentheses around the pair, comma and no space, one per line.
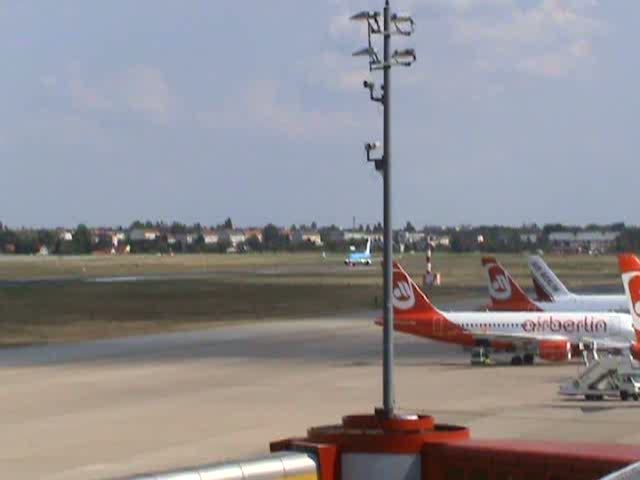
(407,296)
(630,270)
(505,293)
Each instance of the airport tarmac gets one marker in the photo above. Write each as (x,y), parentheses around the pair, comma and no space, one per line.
(114,408)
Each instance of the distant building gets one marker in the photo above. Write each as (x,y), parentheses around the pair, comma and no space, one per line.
(440,240)
(143,234)
(583,242)
(210,237)
(65,235)
(306,236)
(253,232)
(107,236)
(187,238)
(529,237)
(233,237)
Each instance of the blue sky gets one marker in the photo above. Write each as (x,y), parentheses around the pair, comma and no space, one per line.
(517,111)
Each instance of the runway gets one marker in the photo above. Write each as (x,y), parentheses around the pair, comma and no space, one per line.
(114,408)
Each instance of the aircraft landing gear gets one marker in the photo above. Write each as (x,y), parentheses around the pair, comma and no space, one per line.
(528,359)
(589,352)
(516,360)
(480,356)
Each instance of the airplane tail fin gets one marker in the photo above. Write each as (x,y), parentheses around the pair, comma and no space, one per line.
(407,296)
(367,250)
(630,270)
(505,293)
(548,286)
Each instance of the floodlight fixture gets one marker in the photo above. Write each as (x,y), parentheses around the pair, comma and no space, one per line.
(372,54)
(365,52)
(404,57)
(401,23)
(364,16)
(371,18)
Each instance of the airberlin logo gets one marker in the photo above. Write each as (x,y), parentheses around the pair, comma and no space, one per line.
(498,283)
(403,297)
(634,290)
(550,324)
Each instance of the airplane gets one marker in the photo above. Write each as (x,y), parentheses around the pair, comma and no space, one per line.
(550,289)
(554,337)
(360,258)
(630,270)
(507,295)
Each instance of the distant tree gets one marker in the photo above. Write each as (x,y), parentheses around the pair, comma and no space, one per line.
(629,240)
(368,228)
(254,244)
(272,239)
(47,238)
(82,240)
(223,246)
(314,226)
(293,227)
(137,224)
(177,227)
(410,228)
(228,224)
(26,242)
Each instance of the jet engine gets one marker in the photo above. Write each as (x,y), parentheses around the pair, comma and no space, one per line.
(555,350)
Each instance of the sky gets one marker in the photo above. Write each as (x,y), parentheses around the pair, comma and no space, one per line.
(516,111)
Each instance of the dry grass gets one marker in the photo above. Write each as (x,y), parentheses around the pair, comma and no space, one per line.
(197,291)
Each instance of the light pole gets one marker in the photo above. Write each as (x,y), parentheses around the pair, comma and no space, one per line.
(392,24)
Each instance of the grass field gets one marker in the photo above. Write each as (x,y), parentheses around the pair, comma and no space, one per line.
(197,291)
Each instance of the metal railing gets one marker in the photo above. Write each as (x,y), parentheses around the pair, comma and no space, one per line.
(285,465)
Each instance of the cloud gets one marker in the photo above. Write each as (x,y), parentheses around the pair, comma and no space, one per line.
(139,89)
(551,38)
(336,71)
(557,64)
(260,108)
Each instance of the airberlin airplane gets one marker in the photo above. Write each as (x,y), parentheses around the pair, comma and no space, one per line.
(507,295)
(550,290)
(551,336)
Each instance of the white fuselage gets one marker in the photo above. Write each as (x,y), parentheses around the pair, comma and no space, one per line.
(615,329)
(586,303)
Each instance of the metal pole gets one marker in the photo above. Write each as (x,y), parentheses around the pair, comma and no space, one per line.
(387,375)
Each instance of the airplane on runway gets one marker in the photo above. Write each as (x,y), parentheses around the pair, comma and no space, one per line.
(550,289)
(554,337)
(360,258)
(507,295)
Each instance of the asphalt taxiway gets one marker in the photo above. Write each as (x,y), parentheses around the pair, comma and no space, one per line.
(113,408)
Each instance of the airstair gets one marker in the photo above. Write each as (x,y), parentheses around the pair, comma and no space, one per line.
(613,376)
